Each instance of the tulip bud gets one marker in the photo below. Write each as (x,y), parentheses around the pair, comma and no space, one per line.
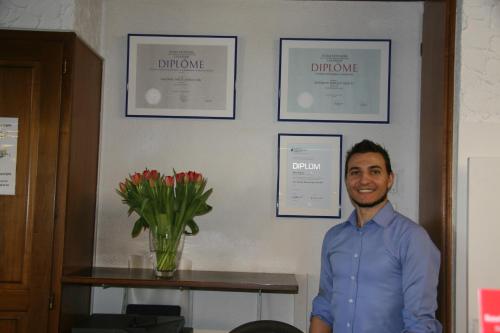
(169,181)
(136,178)
(123,188)
(199,178)
(154,174)
(179,177)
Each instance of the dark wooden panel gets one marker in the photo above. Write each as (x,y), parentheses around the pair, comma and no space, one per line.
(86,72)
(74,306)
(14,299)
(8,325)
(206,280)
(16,100)
(77,180)
(45,104)
(46,178)
(12,322)
(436,141)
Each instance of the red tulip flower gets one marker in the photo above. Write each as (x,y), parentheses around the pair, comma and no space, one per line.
(169,181)
(199,178)
(136,178)
(179,177)
(154,174)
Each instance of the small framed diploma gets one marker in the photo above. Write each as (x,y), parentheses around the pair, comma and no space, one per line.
(334,80)
(309,175)
(181,76)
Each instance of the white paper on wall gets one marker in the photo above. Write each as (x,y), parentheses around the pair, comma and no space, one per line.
(8,155)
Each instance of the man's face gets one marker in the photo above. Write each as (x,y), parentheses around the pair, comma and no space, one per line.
(367,180)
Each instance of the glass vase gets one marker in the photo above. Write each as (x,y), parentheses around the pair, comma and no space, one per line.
(166,252)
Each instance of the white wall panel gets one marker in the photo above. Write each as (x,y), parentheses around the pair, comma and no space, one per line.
(483,231)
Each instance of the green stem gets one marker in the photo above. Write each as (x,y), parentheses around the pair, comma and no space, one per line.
(166,251)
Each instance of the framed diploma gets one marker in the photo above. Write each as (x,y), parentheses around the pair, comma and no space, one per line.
(181,76)
(334,80)
(309,175)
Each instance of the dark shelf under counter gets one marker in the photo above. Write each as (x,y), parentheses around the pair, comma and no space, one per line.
(186,279)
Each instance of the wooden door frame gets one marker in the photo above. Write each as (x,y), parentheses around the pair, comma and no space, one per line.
(436,142)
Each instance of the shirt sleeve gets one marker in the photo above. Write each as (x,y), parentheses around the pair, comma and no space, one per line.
(420,274)
(321,305)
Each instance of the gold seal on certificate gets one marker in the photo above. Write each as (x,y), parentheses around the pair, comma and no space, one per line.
(153,96)
(305,100)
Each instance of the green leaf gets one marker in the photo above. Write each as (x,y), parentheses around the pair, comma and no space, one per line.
(193,227)
(139,225)
(203,209)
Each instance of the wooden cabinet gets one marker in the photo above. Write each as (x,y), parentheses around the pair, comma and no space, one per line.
(51,83)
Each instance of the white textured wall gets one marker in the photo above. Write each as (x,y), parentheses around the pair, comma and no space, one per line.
(88,25)
(480,61)
(37,14)
(239,156)
(478,117)
(81,16)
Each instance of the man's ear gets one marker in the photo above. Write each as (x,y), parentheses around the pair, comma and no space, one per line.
(392,179)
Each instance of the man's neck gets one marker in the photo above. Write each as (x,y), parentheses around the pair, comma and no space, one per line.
(365,214)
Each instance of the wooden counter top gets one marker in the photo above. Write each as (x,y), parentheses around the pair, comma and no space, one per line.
(186,279)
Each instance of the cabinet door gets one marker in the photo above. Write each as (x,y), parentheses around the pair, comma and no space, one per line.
(30,94)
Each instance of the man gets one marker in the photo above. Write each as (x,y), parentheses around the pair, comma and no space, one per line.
(379,269)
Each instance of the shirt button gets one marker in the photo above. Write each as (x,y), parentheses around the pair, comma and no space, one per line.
(348,324)
(352,277)
(356,255)
(351,300)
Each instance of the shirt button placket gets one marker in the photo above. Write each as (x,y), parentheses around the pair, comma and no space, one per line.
(354,288)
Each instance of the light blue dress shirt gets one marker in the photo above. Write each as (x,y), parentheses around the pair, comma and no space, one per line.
(381,278)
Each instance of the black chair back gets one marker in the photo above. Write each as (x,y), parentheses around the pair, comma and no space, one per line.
(266,326)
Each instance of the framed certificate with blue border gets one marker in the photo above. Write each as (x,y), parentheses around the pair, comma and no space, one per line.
(181,76)
(309,175)
(334,80)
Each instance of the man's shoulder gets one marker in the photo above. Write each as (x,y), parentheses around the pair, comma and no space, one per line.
(337,229)
(404,222)
(405,228)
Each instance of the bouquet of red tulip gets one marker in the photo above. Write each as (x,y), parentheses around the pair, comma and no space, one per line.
(166,205)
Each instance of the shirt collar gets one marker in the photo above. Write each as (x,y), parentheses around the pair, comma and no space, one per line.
(383,218)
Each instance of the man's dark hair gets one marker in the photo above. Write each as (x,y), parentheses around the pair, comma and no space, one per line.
(367,146)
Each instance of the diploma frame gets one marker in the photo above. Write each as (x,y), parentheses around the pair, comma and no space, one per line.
(309,175)
(181,76)
(334,80)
